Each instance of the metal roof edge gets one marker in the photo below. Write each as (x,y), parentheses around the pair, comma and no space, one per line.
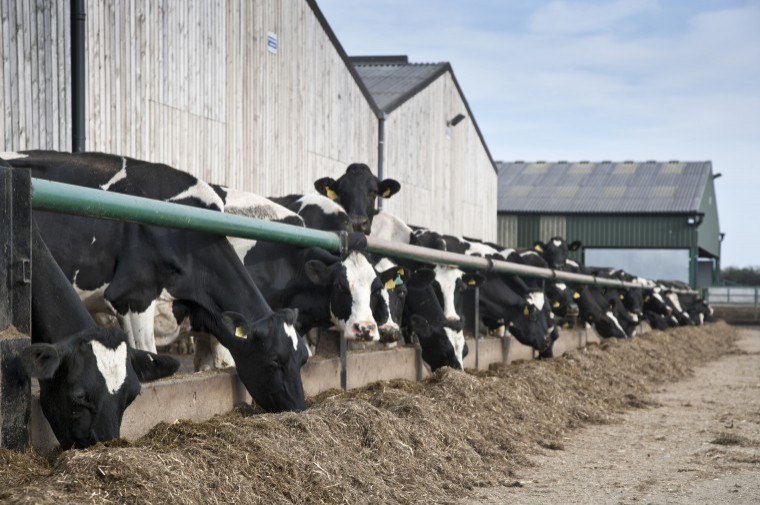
(416,89)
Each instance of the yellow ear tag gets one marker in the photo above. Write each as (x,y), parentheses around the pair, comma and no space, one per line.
(576,296)
(538,248)
(400,271)
(555,305)
(647,298)
(390,284)
(526,311)
(472,282)
(386,193)
(622,297)
(239,333)
(332,195)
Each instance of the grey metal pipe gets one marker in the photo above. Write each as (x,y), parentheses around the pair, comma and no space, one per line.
(70,199)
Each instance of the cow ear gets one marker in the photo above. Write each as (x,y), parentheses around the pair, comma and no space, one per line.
(317,272)
(236,324)
(574,246)
(421,278)
(420,326)
(538,246)
(473,279)
(388,187)
(326,186)
(392,277)
(41,360)
(150,366)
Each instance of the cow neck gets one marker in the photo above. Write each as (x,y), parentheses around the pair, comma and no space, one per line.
(57,311)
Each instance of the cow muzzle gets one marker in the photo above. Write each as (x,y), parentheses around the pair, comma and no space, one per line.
(364,331)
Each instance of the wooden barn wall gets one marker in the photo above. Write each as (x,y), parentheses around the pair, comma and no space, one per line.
(191,84)
(447,184)
(35,97)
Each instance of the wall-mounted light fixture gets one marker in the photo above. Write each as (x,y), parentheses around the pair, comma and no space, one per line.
(455,120)
(694,220)
(715,176)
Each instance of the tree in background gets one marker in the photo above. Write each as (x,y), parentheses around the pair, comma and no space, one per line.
(746,276)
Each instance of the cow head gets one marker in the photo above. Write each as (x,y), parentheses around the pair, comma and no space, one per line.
(87,381)
(442,342)
(450,284)
(560,298)
(356,191)
(396,280)
(556,250)
(268,354)
(356,299)
(533,325)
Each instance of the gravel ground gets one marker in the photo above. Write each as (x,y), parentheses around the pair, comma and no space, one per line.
(699,445)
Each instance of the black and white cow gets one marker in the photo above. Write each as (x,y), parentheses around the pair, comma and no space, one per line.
(317,211)
(593,306)
(556,251)
(125,267)
(357,191)
(88,375)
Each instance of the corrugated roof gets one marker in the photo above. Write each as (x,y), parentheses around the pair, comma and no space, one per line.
(606,187)
(392,82)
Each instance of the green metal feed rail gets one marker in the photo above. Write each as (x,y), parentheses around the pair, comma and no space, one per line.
(70,199)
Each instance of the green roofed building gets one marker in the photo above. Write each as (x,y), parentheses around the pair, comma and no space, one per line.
(654,219)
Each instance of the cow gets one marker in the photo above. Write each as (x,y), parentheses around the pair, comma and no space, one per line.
(680,316)
(124,267)
(594,308)
(357,191)
(88,375)
(317,211)
(556,251)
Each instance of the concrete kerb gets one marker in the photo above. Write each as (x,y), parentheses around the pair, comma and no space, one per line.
(200,396)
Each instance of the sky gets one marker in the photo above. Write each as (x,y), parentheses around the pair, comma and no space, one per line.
(595,80)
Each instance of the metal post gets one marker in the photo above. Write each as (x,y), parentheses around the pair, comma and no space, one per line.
(476,327)
(15,306)
(343,352)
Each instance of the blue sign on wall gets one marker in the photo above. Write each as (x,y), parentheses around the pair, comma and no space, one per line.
(272,42)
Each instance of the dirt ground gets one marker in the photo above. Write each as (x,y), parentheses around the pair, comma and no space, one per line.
(701,444)
(669,417)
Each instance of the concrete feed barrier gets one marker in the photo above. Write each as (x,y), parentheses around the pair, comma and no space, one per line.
(200,396)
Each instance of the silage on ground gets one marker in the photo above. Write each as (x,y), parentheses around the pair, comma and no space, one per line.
(390,442)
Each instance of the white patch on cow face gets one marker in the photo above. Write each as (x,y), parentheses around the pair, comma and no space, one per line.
(615,321)
(10,155)
(360,276)
(634,317)
(121,174)
(112,364)
(537,299)
(203,192)
(457,342)
(328,206)
(447,278)
(290,331)
(674,300)
(572,263)
(561,286)
(557,243)
(701,319)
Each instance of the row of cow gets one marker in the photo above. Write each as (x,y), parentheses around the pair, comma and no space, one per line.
(258,298)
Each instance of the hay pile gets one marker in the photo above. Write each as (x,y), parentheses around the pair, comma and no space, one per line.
(391,442)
